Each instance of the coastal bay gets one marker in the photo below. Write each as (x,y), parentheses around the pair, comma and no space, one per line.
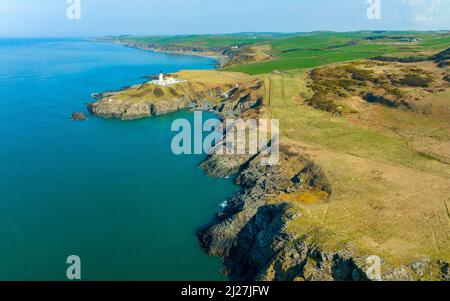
(100,189)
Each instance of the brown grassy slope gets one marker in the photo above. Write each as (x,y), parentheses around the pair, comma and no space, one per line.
(388,196)
(199,83)
(387,164)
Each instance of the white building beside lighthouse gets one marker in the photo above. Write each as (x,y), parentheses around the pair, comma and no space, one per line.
(166,81)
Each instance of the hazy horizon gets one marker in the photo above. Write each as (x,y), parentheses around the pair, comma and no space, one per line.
(48,18)
(213,34)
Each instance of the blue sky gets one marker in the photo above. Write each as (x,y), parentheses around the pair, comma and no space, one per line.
(47,18)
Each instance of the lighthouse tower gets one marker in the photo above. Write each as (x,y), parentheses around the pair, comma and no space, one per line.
(166,81)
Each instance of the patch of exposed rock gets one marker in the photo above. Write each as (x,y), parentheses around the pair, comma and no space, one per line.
(134,110)
(119,109)
(167,106)
(252,235)
(78,116)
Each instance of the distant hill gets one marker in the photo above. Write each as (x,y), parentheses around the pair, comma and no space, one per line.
(264,52)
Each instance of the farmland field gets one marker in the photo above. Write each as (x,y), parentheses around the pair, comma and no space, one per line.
(303,50)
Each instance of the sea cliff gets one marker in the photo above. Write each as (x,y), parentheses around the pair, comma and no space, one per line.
(254,234)
(226,56)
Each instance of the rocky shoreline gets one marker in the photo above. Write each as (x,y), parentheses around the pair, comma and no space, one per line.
(252,233)
(225,56)
(115,109)
(221,55)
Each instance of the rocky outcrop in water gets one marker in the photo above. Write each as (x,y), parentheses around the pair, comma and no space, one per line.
(78,116)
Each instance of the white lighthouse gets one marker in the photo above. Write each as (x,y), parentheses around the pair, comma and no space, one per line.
(166,82)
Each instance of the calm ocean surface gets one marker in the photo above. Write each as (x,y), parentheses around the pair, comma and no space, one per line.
(108,191)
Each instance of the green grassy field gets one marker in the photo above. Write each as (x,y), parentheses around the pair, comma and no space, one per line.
(308,50)
(326,48)
(205,42)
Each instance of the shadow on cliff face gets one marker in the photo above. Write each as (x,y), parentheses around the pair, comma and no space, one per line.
(265,251)
(250,234)
(344,269)
(256,243)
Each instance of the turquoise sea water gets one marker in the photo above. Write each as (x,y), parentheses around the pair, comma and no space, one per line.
(108,191)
